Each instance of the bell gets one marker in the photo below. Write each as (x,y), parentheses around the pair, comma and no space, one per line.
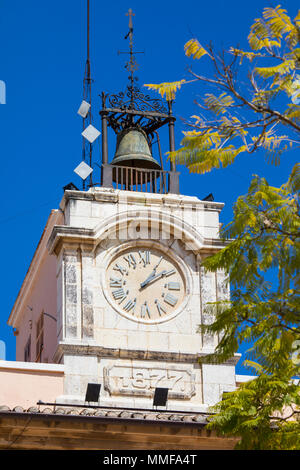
(133,152)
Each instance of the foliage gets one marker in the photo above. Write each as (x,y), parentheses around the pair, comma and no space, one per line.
(168,89)
(251,413)
(264,113)
(264,236)
(263,240)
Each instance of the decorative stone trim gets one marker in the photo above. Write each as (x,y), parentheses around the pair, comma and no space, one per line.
(117,195)
(91,238)
(94,350)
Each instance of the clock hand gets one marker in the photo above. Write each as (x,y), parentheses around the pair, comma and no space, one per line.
(152,278)
(161,274)
(148,278)
(158,263)
(153,273)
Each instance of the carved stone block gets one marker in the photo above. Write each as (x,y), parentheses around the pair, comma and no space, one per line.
(142,381)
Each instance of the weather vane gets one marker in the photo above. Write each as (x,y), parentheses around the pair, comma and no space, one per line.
(132,98)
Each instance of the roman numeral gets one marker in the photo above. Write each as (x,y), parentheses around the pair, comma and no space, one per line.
(170,299)
(160,308)
(145,257)
(173,285)
(145,310)
(120,294)
(130,260)
(116,282)
(130,305)
(120,268)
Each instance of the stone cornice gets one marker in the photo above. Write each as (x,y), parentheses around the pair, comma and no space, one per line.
(118,353)
(145,199)
(70,234)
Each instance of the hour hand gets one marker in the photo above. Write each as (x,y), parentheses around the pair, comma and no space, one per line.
(152,277)
(148,278)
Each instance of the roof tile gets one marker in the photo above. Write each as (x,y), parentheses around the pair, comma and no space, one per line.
(151,415)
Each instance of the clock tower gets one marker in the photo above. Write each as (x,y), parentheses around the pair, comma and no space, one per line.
(131,292)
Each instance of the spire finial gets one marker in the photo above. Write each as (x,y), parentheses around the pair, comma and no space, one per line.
(130,14)
(132,64)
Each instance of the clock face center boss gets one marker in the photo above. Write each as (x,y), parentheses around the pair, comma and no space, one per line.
(145,284)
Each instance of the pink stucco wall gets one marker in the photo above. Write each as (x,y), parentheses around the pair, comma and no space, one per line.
(38,294)
(42,297)
(24,383)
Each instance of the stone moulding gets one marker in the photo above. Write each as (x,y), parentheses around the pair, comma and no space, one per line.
(101,352)
(116,195)
(111,226)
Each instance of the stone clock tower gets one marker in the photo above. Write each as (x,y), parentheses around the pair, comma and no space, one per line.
(131,295)
(131,292)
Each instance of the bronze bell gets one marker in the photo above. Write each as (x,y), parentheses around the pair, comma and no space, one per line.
(133,151)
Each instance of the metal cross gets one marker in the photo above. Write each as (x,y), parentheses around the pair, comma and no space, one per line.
(132,64)
(130,14)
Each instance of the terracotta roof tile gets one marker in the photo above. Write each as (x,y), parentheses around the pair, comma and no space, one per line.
(151,415)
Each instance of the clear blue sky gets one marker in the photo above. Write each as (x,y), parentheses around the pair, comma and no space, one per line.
(42,58)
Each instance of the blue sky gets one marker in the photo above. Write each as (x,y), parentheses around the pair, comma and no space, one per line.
(42,57)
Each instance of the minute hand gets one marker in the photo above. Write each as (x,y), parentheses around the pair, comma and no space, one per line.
(152,278)
(152,274)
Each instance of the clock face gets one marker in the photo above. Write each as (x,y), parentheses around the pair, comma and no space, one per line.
(145,284)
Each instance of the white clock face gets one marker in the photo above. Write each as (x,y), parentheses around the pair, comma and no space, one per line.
(145,284)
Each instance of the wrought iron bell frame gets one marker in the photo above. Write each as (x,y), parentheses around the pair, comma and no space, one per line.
(135,109)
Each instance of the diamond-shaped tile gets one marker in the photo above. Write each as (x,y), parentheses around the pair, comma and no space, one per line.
(83,170)
(84,109)
(91,133)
